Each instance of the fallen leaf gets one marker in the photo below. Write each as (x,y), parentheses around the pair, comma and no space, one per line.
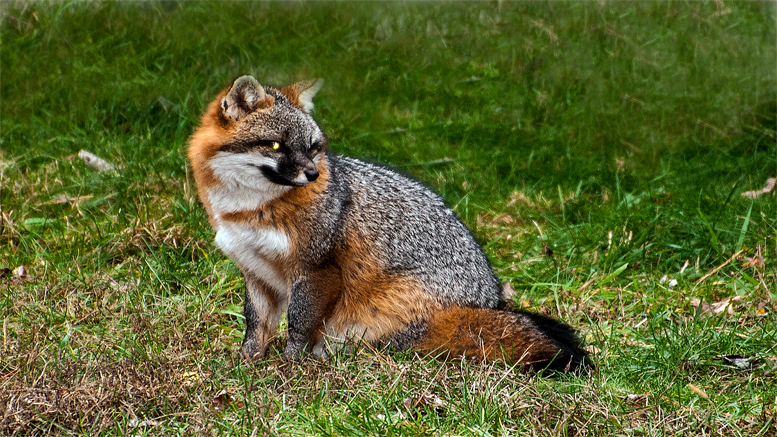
(165,104)
(19,272)
(637,400)
(725,305)
(593,350)
(738,361)
(638,343)
(695,302)
(752,262)
(509,292)
(222,399)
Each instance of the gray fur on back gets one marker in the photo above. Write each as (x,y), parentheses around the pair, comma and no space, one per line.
(414,232)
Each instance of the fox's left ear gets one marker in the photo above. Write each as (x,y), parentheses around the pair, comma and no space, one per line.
(301,93)
(245,96)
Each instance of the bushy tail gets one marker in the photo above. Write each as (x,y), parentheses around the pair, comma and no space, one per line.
(517,337)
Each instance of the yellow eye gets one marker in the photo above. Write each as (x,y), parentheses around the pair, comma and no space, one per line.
(276,145)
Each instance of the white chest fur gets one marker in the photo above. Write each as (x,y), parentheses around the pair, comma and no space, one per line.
(252,247)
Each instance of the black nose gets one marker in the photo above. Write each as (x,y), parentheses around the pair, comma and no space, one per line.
(312,175)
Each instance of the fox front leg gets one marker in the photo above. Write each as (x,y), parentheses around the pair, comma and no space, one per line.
(306,316)
(263,309)
(313,298)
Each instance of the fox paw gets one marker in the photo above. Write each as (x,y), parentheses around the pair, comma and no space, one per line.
(293,353)
(251,351)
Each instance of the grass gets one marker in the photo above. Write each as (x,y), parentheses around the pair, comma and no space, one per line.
(597,149)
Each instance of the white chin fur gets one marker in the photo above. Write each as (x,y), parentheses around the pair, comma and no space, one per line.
(301,179)
(243,186)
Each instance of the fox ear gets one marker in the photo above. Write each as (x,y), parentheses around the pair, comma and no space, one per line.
(301,93)
(243,98)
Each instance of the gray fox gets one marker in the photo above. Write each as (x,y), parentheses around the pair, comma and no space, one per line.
(350,250)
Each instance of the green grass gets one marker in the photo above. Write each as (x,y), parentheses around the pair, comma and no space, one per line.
(593,147)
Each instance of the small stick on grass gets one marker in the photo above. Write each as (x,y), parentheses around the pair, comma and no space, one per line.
(584,286)
(715,270)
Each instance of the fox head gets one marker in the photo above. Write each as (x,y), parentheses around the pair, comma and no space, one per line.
(256,143)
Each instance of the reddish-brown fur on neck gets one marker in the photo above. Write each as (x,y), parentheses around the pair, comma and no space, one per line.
(204,144)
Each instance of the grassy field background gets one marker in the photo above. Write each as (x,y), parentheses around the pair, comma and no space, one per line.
(598,150)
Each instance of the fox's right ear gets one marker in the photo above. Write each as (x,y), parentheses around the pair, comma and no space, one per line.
(243,98)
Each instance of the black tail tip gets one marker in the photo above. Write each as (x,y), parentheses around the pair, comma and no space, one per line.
(572,357)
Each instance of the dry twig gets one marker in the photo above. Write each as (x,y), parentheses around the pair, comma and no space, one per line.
(715,270)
